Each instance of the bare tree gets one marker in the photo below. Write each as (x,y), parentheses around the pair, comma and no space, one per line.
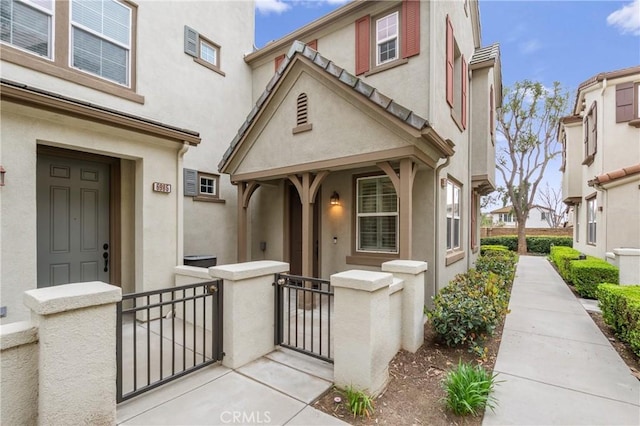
(527,123)
(550,200)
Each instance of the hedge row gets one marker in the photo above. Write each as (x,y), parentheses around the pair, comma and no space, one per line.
(534,244)
(620,307)
(584,274)
(474,303)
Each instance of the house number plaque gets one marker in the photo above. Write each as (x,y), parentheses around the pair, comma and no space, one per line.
(161,187)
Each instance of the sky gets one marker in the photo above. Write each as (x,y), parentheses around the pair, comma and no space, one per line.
(545,41)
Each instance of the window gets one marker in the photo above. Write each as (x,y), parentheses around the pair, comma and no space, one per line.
(377,215)
(27,25)
(392,38)
(202,186)
(453,215)
(543,215)
(204,51)
(505,217)
(94,41)
(387,39)
(457,79)
(576,216)
(591,220)
(474,220)
(101,38)
(590,126)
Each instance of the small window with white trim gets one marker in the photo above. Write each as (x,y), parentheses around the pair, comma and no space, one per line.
(208,185)
(453,215)
(204,51)
(592,206)
(387,46)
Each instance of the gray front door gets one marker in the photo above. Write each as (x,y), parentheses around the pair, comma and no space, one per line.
(73,221)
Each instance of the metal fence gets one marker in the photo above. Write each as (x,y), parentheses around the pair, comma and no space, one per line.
(165,334)
(304,311)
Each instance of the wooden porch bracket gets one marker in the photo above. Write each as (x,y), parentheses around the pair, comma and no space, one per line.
(245,191)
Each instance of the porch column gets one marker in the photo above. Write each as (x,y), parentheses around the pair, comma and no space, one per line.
(403,184)
(245,191)
(307,189)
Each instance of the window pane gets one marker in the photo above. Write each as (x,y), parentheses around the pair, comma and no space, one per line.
(456,233)
(378,233)
(376,195)
(108,18)
(25,27)
(98,56)
(449,232)
(208,53)
(387,50)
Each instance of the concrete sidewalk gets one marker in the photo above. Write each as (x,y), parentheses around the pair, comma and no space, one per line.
(274,390)
(556,366)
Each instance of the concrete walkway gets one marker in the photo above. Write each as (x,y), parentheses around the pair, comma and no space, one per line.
(556,366)
(274,390)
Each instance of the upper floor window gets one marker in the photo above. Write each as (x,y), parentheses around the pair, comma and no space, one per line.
(27,25)
(387,39)
(590,126)
(204,51)
(457,78)
(377,215)
(101,38)
(628,103)
(208,185)
(391,37)
(453,215)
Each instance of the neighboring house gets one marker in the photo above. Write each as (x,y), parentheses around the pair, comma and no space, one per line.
(97,98)
(372,139)
(539,217)
(601,162)
(374,143)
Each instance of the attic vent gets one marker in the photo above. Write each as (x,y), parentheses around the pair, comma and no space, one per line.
(302,115)
(302,109)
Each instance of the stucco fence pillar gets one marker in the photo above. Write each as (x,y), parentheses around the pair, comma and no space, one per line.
(77,357)
(249,312)
(412,273)
(628,260)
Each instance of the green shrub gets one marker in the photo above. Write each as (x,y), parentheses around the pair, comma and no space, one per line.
(587,274)
(535,244)
(469,389)
(502,263)
(492,248)
(469,309)
(360,404)
(543,244)
(620,307)
(561,256)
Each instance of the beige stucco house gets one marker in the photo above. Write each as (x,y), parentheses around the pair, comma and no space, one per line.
(104,106)
(371,139)
(372,143)
(601,162)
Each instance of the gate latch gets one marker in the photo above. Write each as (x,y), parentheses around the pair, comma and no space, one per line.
(281,281)
(212,288)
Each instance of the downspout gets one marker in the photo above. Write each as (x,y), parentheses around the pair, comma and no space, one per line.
(180,204)
(437,223)
(599,187)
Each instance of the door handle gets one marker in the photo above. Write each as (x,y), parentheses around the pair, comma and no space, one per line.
(106,261)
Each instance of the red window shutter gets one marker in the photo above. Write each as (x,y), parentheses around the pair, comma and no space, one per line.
(313,44)
(410,28)
(363,45)
(465,81)
(624,102)
(449,62)
(279,60)
(491,108)
(594,131)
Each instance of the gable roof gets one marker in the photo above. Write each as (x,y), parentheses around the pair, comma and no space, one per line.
(505,209)
(390,107)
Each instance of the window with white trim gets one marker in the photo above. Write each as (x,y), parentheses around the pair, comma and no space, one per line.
(208,52)
(592,206)
(453,215)
(101,39)
(576,218)
(204,51)
(387,46)
(208,185)
(27,25)
(376,215)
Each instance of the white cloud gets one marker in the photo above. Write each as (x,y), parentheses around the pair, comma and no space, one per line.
(530,46)
(271,6)
(627,18)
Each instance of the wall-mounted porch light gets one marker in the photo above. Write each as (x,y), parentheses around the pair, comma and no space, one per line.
(335,199)
(2,172)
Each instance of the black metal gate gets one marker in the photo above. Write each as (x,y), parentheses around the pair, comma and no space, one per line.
(165,334)
(303,315)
